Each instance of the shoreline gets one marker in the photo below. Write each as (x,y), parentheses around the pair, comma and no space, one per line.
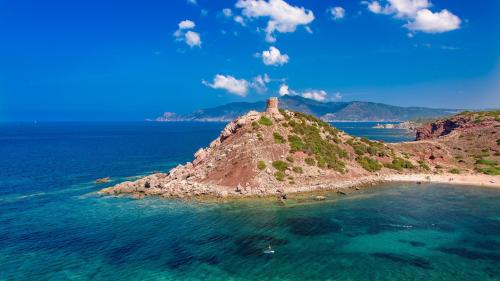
(344,187)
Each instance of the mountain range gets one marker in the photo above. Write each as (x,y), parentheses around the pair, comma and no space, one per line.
(327,111)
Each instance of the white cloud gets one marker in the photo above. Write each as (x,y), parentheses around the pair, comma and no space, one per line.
(260,83)
(318,95)
(283,17)
(374,7)
(283,91)
(417,15)
(227,12)
(190,37)
(186,24)
(274,57)
(230,84)
(429,22)
(239,19)
(336,13)
(192,2)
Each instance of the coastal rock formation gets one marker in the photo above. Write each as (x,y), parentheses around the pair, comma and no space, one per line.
(277,152)
(460,122)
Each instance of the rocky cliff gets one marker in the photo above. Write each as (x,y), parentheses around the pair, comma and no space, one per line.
(280,152)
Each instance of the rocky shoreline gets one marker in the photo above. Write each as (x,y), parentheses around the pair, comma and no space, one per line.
(197,191)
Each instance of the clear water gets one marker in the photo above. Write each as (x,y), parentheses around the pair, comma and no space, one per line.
(54,227)
(365,129)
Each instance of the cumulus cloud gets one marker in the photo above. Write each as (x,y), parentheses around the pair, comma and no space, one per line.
(183,33)
(192,39)
(417,14)
(317,95)
(283,17)
(283,91)
(337,13)
(274,57)
(239,87)
(260,83)
(429,22)
(227,12)
(230,84)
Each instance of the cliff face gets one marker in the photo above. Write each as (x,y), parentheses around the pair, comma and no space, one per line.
(460,122)
(279,152)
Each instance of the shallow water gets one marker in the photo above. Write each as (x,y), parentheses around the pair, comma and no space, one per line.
(54,227)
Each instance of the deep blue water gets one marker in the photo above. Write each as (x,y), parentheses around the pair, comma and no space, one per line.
(54,227)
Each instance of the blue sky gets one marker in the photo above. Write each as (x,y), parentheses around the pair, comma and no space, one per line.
(130,60)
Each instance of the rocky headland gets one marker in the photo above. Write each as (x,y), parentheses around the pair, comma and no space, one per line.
(279,152)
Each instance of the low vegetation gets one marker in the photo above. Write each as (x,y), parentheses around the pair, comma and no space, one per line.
(261,165)
(369,164)
(454,171)
(280,165)
(424,165)
(265,121)
(278,138)
(297,170)
(279,175)
(399,164)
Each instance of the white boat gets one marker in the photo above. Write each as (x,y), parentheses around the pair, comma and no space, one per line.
(269,251)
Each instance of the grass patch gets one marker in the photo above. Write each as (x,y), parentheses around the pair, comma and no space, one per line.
(424,165)
(488,162)
(369,164)
(261,165)
(280,165)
(492,171)
(289,159)
(278,138)
(310,161)
(399,164)
(297,170)
(265,121)
(279,175)
(454,171)
(255,125)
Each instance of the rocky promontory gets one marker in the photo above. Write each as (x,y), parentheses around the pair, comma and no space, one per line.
(277,152)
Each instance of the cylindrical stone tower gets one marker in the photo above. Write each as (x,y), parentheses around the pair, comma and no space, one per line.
(272,106)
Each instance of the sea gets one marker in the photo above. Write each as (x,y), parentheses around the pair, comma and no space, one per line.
(54,225)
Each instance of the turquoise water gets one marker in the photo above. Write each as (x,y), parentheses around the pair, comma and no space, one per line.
(54,227)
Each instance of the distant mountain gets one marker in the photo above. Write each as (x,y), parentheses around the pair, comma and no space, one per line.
(328,111)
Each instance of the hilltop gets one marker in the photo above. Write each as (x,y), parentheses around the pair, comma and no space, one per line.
(277,152)
(326,111)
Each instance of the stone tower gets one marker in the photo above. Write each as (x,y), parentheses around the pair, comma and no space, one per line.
(272,106)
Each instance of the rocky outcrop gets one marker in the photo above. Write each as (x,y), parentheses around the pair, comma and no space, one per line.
(278,152)
(460,122)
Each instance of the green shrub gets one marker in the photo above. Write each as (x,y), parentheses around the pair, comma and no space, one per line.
(255,125)
(424,165)
(297,170)
(261,165)
(360,149)
(278,138)
(482,161)
(369,164)
(259,137)
(289,159)
(400,164)
(265,121)
(492,171)
(454,171)
(498,141)
(296,143)
(279,175)
(310,161)
(280,165)
(372,150)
